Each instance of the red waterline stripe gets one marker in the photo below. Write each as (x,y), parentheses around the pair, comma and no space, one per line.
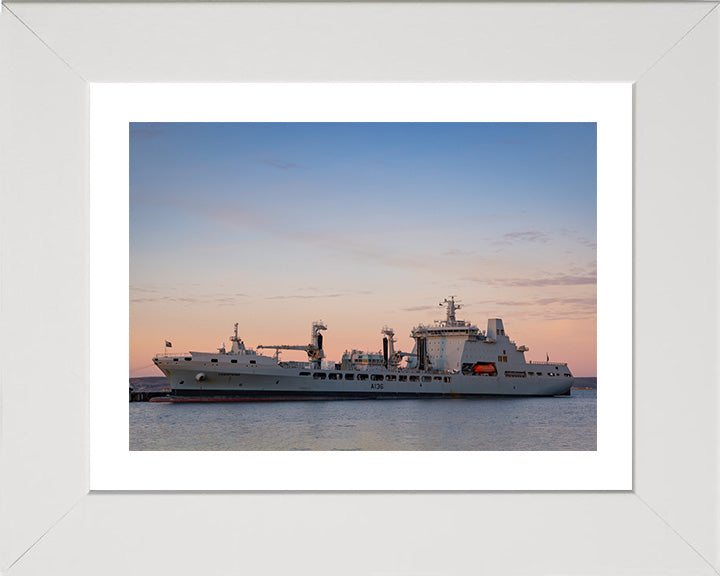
(200,399)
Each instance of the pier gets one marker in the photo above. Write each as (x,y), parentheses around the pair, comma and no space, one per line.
(142,389)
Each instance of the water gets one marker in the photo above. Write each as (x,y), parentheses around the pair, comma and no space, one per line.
(562,423)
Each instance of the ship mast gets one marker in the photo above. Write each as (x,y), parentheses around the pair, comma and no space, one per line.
(237,344)
(451,308)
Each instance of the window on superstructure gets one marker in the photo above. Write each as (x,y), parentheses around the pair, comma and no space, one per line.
(335,376)
(319,375)
(390,377)
(349,376)
(213,359)
(252,361)
(426,378)
(414,378)
(376,377)
(402,378)
(362,376)
(447,379)
(304,373)
(504,358)
(233,361)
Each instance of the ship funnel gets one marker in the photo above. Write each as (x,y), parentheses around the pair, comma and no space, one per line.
(495,328)
(388,344)
(421,351)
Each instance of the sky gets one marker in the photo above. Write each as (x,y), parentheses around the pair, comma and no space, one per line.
(361,225)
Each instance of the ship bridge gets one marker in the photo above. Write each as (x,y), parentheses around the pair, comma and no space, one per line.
(450,344)
(451,326)
(440,347)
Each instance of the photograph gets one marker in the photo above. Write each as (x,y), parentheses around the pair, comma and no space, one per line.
(363,286)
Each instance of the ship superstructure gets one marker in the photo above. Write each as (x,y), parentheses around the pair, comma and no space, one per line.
(451,358)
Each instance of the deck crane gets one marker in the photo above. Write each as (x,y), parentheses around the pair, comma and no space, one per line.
(391,356)
(314,349)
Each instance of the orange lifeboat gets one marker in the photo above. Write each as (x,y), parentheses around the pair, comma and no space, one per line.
(483,368)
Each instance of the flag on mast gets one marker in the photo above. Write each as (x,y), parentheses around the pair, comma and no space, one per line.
(547,357)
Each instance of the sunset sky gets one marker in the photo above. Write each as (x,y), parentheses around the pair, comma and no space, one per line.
(275,225)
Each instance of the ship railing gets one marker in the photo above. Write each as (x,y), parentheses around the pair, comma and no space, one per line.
(537,363)
(167,354)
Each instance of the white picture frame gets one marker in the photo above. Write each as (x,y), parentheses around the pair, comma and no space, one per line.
(668,524)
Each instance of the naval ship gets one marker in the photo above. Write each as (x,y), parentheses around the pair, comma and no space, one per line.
(450,359)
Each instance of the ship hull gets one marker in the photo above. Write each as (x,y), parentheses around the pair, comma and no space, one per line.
(285,396)
(200,383)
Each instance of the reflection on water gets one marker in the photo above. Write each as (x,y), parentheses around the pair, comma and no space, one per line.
(563,423)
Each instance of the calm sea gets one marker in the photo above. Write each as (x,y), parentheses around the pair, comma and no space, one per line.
(562,423)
